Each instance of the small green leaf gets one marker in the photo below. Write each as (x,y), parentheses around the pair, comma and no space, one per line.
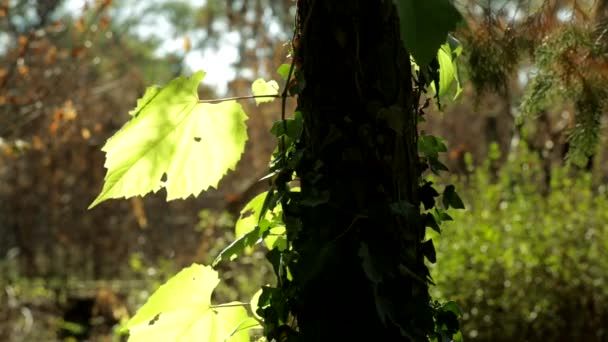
(451,198)
(428,250)
(394,117)
(448,70)
(425,25)
(251,226)
(254,304)
(452,307)
(262,88)
(410,212)
(429,221)
(181,310)
(283,71)
(238,246)
(430,146)
(294,127)
(172,135)
(250,215)
(427,195)
(276,238)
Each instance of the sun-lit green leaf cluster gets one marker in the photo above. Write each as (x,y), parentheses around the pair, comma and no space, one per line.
(181,310)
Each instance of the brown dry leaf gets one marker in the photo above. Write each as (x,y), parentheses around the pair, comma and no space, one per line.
(37,143)
(105,3)
(139,212)
(2,12)
(22,41)
(104,22)
(85,133)
(187,44)
(69,112)
(7,150)
(3,100)
(78,51)
(51,55)
(79,25)
(53,127)
(23,70)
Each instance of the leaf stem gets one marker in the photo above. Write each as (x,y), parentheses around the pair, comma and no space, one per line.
(237,98)
(228,305)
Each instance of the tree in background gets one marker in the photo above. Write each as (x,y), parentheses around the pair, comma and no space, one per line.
(535,70)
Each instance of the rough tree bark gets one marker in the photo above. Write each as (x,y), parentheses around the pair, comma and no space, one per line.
(359,272)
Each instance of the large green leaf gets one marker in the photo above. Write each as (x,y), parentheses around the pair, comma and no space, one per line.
(173,135)
(425,25)
(181,310)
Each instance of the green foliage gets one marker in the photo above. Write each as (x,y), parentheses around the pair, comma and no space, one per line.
(523,265)
(172,134)
(181,310)
(432,19)
(254,224)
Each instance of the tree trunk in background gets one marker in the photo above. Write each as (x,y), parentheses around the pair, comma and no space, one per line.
(360,273)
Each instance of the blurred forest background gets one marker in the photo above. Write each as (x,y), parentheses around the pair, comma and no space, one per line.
(527,260)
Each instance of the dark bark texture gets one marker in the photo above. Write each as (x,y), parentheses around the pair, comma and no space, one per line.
(358,268)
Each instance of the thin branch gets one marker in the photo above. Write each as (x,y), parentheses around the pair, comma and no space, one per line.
(238,98)
(228,305)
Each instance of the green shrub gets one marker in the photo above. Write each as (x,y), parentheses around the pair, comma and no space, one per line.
(525,264)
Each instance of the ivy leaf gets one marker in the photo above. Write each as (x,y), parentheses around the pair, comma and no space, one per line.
(430,146)
(276,238)
(425,25)
(250,215)
(431,222)
(294,127)
(181,310)
(427,195)
(260,87)
(448,69)
(451,198)
(172,135)
(255,299)
(428,250)
(238,246)
(283,71)
(452,307)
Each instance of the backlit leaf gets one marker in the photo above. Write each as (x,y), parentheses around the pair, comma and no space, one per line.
(173,135)
(262,88)
(451,198)
(181,310)
(425,25)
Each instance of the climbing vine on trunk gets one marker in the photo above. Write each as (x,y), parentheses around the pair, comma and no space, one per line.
(345,215)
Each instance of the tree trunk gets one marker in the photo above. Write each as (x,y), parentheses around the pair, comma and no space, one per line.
(358,268)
